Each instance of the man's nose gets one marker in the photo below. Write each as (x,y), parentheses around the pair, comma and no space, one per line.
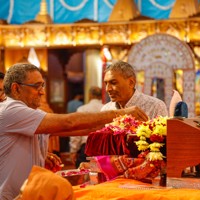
(42,91)
(108,87)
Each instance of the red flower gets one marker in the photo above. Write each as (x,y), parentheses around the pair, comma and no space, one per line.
(156,138)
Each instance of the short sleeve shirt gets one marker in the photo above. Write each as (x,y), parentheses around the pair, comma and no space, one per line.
(20,147)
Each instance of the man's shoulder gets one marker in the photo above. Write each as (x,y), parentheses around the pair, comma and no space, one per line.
(108,106)
(11,106)
(11,103)
(90,106)
(151,98)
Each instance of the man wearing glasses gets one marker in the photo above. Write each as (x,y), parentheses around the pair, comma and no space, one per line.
(25,129)
(2,94)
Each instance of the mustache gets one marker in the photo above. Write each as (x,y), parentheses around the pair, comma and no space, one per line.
(112,93)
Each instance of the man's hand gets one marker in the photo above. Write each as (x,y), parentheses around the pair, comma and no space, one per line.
(137,113)
(84,165)
(53,162)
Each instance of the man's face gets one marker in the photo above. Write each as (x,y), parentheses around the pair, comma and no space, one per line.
(119,89)
(2,95)
(31,95)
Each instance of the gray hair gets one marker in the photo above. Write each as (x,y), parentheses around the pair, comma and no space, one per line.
(17,73)
(124,68)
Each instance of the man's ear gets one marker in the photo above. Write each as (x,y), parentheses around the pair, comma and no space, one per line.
(132,82)
(15,88)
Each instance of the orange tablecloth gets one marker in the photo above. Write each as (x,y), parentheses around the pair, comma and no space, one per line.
(112,190)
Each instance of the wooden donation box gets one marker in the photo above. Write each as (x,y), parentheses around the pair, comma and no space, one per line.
(183,145)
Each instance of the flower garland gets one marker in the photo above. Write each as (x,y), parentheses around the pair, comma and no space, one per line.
(151,134)
(154,131)
(125,123)
(130,134)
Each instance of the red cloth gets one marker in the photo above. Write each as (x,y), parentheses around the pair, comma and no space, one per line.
(104,142)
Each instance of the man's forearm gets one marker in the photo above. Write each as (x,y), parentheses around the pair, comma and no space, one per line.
(82,132)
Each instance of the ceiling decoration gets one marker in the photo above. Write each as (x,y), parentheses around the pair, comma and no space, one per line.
(67,11)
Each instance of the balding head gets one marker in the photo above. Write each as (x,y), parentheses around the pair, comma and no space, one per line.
(95,92)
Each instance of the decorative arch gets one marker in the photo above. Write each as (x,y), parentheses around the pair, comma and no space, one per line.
(159,56)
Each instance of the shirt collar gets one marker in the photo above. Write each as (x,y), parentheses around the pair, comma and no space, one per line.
(131,100)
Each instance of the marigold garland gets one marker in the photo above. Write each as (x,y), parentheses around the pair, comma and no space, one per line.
(155,130)
(151,133)
(149,137)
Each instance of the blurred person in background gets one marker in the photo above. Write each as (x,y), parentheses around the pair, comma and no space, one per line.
(76,102)
(77,144)
(72,107)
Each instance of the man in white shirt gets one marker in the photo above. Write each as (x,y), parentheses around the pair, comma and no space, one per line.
(77,144)
(120,81)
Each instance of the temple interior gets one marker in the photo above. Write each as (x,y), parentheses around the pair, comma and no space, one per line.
(73,56)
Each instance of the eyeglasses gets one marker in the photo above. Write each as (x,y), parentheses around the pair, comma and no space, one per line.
(37,86)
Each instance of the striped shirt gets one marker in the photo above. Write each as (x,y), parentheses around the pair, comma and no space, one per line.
(20,148)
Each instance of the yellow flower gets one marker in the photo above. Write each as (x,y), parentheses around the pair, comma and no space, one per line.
(142,145)
(143,130)
(156,146)
(156,126)
(160,130)
(142,138)
(153,156)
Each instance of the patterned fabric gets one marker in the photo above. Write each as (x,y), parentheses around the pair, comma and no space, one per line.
(135,168)
(150,105)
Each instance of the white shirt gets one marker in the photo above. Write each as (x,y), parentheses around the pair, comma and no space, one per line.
(20,147)
(94,105)
(150,105)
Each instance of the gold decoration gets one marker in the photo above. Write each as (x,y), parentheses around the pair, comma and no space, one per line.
(118,33)
(194,30)
(129,32)
(140,30)
(35,36)
(12,36)
(184,8)
(60,35)
(43,15)
(177,29)
(124,10)
(86,34)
